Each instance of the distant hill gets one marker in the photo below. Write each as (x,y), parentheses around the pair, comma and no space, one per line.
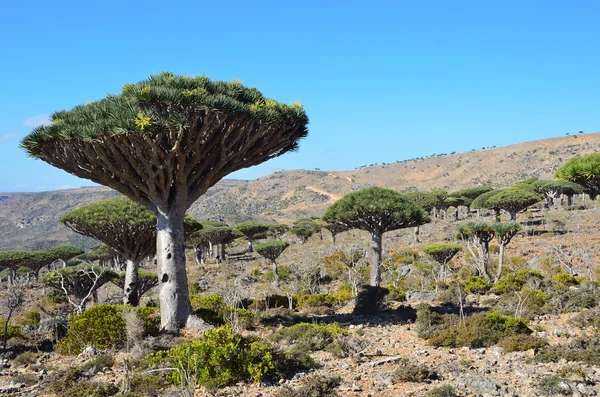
(30,220)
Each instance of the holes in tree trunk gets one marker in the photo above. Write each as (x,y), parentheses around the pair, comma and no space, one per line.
(165,278)
(168,256)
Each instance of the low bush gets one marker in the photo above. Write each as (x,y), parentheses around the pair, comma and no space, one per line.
(147,385)
(588,318)
(311,337)
(585,350)
(220,357)
(316,300)
(98,364)
(441,391)
(430,322)
(347,346)
(480,330)
(476,285)
(565,279)
(370,300)
(564,299)
(515,281)
(72,383)
(31,318)
(396,294)
(314,386)
(26,358)
(13,330)
(103,327)
(412,372)
(522,342)
(552,385)
(212,302)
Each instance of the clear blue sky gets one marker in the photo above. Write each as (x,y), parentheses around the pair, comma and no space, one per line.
(381,80)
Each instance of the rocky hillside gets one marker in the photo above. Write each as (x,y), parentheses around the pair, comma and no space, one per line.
(30,220)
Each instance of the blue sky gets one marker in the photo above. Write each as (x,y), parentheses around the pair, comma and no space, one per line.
(381,80)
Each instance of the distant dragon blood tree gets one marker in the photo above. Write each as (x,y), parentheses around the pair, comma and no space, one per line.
(583,170)
(124,225)
(163,143)
(376,210)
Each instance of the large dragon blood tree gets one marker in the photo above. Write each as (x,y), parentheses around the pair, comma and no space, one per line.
(163,142)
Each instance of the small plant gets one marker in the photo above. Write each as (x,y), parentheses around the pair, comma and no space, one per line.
(31,318)
(441,391)
(411,372)
(316,300)
(585,350)
(103,327)
(221,357)
(347,346)
(476,285)
(26,358)
(314,386)
(311,337)
(480,330)
(553,384)
(522,342)
(98,364)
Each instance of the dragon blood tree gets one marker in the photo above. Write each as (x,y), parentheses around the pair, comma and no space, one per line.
(124,225)
(163,142)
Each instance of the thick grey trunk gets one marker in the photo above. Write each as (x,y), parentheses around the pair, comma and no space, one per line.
(174,296)
(223,254)
(417,232)
(11,275)
(250,245)
(375,271)
(569,201)
(497,214)
(456,214)
(198,255)
(275,275)
(500,263)
(486,261)
(513,216)
(131,290)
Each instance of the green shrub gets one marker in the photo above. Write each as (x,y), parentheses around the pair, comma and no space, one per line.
(26,358)
(476,285)
(13,330)
(563,299)
(316,300)
(343,294)
(522,342)
(429,322)
(412,372)
(212,302)
(103,327)
(585,350)
(31,318)
(242,318)
(147,385)
(311,337)
(396,294)
(210,316)
(370,300)
(441,391)
(565,279)
(314,386)
(71,383)
(515,281)
(283,271)
(221,357)
(480,330)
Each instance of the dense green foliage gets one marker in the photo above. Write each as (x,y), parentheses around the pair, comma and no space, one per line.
(309,337)
(137,109)
(220,357)
(271,249)
(583,170)
(304,228)
(103,327)
(513,200)
(376,210)
(442,252)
